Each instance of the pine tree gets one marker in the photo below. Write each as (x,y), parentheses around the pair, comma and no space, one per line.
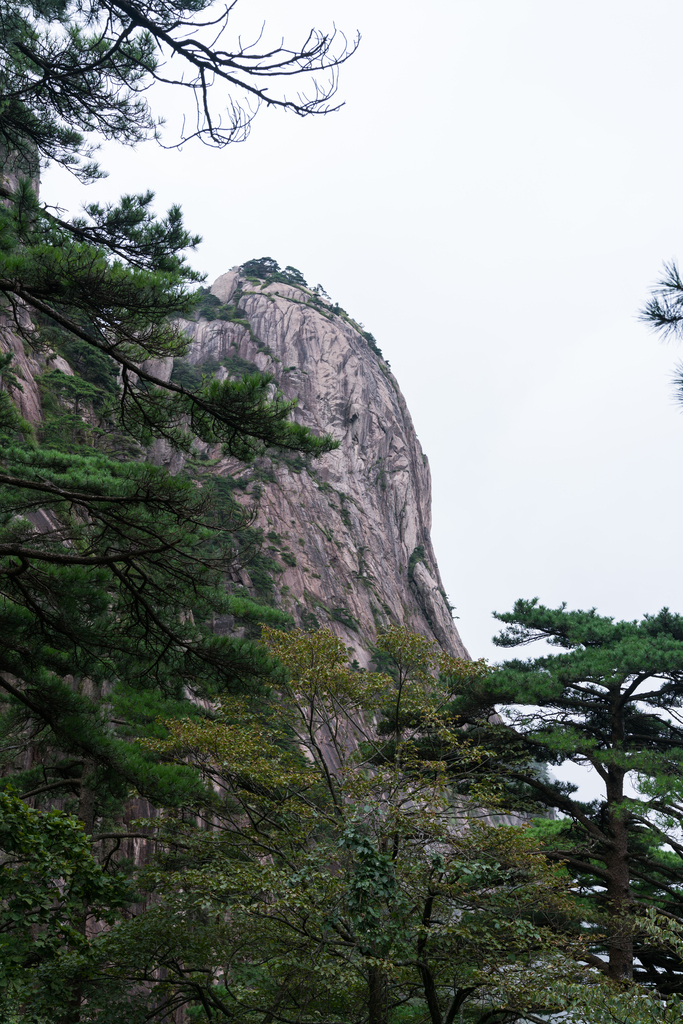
(77,69)
(112,570)
(611,702)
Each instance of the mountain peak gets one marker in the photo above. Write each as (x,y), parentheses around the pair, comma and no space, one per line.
(348,535)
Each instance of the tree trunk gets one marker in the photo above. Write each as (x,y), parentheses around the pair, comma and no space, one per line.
(86,801)
(428,986)
(429,989)
(378,1008)
(619,896)
(86,812)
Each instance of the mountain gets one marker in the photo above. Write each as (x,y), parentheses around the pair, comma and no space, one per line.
(346,538)
(342,541)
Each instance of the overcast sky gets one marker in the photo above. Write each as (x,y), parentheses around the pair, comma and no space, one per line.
(493,203)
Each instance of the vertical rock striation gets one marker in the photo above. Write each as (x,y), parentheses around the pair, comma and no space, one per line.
(348,536)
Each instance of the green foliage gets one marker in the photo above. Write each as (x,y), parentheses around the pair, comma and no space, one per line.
(664,312)
(51,885)
(188,375)
(268,270)
(66,401)
(328,872)
(192,376)
(11,423)
(210,307)
(126,570)
(418,555)
(87,362)
(351,881)
(372,344)
(608,699)
(343,615)
(8,378)
(123,311)
(112,571)
(74,70)
(309,620)
(239,367)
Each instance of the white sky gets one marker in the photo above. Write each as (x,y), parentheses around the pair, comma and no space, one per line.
(493,203)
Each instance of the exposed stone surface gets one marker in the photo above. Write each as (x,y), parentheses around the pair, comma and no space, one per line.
(348,535)
(13,168)
(350,532)
(28,367)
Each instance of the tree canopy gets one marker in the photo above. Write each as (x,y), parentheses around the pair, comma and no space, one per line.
(610,699)
(327,870)
(74,70)
(663,312)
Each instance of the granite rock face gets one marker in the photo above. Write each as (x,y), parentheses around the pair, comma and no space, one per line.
(27,366)
(346,537)
(349,533)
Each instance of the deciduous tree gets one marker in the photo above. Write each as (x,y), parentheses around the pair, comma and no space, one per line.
(336,873)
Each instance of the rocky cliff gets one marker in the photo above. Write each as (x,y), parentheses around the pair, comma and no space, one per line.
(344,540)
(348,536)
